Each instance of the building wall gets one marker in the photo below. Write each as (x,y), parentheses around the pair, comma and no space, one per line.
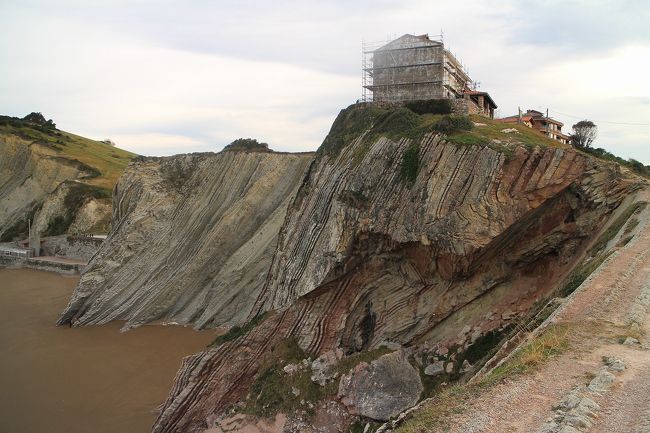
(467,106)
(403,82)
(414,73)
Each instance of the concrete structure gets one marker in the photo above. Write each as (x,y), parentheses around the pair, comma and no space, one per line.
(11,251)
(413,68)
(537,120)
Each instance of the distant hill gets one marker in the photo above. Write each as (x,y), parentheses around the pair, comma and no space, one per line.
(60,181)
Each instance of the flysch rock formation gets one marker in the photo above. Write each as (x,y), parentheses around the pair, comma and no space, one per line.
(29,174)
(192,239)
(365,257)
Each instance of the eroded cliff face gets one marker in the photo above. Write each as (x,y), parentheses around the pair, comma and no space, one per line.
(435,266)
(59,182)
(29,173)
(192,239)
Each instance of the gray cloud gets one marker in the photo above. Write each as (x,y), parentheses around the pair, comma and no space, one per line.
(170,76)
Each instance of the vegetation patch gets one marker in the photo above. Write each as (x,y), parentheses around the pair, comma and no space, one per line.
(552,342)
(349,362)
(274,391)
(351,123)
(429,106)
(77,196)
(248,145)
(368,122)
(454,399)
(581,273)
(372,122)
(32,120)
(104,161)
(616,226)
(20,229)
(450,124)
(411,163)
(634,165)
(237,331)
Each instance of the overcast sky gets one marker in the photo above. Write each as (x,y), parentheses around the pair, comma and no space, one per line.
(170,76)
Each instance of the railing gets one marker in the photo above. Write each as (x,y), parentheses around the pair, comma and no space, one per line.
(16,253)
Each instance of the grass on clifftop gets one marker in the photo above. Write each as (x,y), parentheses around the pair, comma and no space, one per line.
(401,122)
(109,161)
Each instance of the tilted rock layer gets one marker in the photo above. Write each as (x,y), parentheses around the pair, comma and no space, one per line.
(58,182)
(192,239)
(365,256)
(29,173)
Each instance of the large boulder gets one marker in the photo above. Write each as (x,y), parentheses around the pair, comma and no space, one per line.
(382,389)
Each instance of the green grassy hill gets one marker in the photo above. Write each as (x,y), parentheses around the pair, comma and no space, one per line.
(109,161)
(47,176)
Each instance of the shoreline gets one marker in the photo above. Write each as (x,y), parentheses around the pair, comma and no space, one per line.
(40,264)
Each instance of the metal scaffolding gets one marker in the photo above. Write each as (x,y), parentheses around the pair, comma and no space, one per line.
(410,67)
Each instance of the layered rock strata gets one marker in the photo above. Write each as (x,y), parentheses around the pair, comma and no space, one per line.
(30,173)
(438,264)
(192,239)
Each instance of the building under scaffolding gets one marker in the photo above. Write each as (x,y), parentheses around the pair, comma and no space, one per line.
(412,68)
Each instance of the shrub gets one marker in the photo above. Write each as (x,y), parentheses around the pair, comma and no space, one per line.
(248,145)
(430,106)
(348,125)
(38,119)
(449,124)
(76,197)
(397,123)
(632,164)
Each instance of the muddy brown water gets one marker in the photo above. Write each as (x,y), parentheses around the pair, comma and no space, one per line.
(77,380)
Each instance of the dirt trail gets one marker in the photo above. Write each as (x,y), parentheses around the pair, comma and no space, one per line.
(600,313)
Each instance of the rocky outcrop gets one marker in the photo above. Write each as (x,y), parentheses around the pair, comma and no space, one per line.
(382,389)
(192,239)
(88,215)
(439,262)
(71,247)
(58,182)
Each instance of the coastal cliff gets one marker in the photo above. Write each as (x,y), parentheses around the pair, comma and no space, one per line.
(191,241)
(59,181)
(401,238)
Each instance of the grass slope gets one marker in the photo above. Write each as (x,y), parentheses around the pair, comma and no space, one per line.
(108,160)
(103,162)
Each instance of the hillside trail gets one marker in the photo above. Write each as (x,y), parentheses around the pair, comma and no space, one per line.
(610,305)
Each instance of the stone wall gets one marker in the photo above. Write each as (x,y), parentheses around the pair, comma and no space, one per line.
(466,107)
(61,268)
(73,247)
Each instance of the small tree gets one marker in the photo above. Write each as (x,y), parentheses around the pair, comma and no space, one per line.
(249,145)
(37,118)
(584,133)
